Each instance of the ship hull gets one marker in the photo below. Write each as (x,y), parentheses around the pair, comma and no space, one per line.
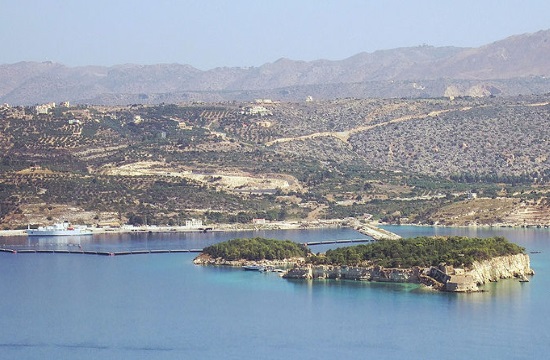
(34,232)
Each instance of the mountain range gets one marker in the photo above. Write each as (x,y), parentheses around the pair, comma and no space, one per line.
(519,64)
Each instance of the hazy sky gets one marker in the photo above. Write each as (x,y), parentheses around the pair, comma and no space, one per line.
(208,34)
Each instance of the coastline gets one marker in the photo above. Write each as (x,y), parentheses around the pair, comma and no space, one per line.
(279,225)
(439,278)
(485,226)
(282,225)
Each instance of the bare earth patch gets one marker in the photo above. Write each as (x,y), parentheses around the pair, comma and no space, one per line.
(499,211)
(46,214)
(232,180)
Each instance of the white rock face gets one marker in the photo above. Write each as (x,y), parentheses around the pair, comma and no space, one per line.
(372,273)
(501,267)
(453,91)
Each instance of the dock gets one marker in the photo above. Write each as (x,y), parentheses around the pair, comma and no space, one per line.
(376,233)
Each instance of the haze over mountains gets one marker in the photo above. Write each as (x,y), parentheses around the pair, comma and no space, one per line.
(516,65)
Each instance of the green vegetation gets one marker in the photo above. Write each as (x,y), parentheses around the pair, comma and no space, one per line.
(256,249)
(420,251)
(66,159)
(403,253)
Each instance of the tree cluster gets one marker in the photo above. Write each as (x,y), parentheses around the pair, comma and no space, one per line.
(421,251)
(255,249)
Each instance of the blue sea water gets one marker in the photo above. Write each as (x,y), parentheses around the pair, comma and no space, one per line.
(161,306)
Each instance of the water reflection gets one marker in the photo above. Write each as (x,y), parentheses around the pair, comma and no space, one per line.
(55,241)
(133,241)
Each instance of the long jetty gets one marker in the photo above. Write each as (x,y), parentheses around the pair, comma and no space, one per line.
(92,252)
(154,251)
(376,233)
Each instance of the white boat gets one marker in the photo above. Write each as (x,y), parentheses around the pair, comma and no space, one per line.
(253,268)
(59,229)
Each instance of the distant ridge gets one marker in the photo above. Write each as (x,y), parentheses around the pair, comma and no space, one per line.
(519,64)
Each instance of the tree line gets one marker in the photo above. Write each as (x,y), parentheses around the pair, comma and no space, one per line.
(420,251)
(255,249)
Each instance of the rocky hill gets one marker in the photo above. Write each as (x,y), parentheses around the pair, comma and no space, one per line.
(462,161)
(516,65)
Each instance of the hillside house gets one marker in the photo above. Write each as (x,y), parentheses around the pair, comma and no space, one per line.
(44,108)
(193,223)
(258,110)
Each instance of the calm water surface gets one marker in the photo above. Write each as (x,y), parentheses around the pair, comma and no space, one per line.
(161,306)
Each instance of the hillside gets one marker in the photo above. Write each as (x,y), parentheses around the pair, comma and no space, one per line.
(515,65)
(463,161)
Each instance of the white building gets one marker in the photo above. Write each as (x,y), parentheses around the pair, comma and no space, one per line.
(258,110)
(44,108)
(193,223)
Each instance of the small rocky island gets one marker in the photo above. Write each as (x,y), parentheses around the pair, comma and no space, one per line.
(456,264)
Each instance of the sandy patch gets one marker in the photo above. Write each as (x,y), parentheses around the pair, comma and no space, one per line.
(225,179)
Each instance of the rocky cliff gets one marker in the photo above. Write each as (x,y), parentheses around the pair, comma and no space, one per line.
(444,278)
(502,267)
(374,273)
(447,279)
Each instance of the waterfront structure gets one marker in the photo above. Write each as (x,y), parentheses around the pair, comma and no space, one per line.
(59,229)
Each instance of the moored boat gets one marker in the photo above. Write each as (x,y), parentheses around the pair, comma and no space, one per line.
(253,268)
(59,229)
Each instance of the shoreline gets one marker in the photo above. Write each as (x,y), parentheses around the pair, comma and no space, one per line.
(440,278)
(290,225)
(280,225)
(473,226)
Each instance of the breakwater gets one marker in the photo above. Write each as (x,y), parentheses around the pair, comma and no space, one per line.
(152,251)
(376,233)
(91,252)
